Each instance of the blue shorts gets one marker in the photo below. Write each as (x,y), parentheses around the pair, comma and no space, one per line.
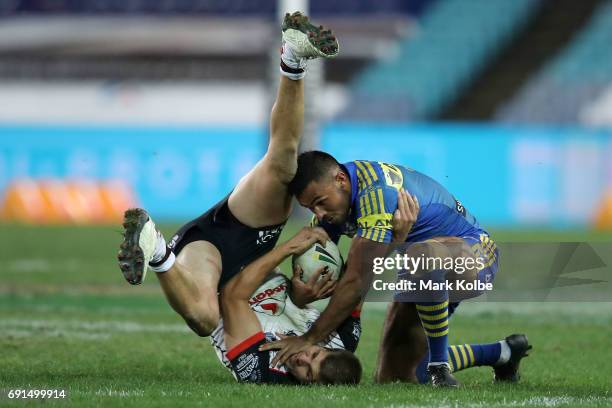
(485,248)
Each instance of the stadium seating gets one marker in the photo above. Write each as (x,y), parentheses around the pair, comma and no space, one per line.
(570,81)
(455,41)
(218,7)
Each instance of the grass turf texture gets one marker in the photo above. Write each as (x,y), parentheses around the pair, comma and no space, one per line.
(69,321)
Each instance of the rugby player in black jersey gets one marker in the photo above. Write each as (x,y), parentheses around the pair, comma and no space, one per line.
(209,251)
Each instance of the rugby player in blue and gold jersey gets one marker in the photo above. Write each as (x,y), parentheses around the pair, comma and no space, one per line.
(359,199)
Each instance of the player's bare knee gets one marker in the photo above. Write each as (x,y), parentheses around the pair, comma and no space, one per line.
(203,326)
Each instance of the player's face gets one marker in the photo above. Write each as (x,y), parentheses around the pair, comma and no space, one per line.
(328,199)
(305,365)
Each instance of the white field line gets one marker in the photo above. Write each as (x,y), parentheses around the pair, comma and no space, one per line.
(109,392)
(118,311)
(24,333)
(579,310)
(42,264)
(85,330)
(112,392)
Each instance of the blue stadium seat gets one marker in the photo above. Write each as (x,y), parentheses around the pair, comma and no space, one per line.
(574,78)
(454,42)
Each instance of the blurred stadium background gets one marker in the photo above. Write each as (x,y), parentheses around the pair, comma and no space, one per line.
(164,104)
(508,103)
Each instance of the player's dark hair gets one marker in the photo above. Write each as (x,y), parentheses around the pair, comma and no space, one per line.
(312,166)
(340,367)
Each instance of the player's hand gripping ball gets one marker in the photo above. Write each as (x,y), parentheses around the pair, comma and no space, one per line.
(317,257)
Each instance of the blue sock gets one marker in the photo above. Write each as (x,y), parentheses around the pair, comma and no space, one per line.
(434,317)
(471,355)
(421,371)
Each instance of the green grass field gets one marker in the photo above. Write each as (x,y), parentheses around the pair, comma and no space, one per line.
(69,321)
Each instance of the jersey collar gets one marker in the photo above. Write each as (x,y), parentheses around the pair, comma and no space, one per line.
(351,169)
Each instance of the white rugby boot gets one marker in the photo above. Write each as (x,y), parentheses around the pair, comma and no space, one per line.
(306,40)
(140,239)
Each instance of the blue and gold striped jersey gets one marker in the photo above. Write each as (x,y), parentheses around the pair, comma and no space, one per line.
(374,187)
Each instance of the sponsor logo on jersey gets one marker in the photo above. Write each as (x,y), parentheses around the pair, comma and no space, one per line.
(172,242)
(357,331)
(270,301)
(459,207)
(246,365)
(268,235)
(393,175)
(381,222)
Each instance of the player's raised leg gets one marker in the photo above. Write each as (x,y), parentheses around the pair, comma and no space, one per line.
(261,197)
(188,280)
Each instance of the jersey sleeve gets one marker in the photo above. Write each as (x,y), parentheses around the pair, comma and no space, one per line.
(376,200)
(253,366)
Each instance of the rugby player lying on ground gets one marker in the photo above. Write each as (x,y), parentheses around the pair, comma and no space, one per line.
(207,252)
(358,199)
(255,309)
(252,317)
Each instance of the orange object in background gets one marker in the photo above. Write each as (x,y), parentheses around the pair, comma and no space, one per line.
(55,201)
(603,219)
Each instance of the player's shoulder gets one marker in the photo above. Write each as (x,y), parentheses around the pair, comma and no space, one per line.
(377,188)
(368,173)
(373,175)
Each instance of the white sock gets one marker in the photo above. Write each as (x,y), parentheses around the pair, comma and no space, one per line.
(163,258)
(292,66)
(166,265)
(504,356)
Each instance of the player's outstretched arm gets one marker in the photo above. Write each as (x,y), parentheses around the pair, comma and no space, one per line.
(354,285)
(240,321)
(361,256)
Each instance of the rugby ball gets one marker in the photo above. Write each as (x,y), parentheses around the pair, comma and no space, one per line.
(317,257)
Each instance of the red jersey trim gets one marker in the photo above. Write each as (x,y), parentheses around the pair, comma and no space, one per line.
(356,313)
(235,351)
